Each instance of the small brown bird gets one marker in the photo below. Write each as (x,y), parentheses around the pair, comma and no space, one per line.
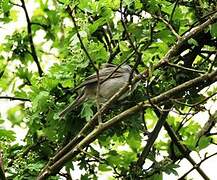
(111,80)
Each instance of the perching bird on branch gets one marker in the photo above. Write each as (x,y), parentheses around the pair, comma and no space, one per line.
(111,78)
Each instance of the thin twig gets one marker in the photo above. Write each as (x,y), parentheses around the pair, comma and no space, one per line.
(32,46)
(68,9)
(173,11)
(18,5)
(83,139)
(14,98)
(196,165)
(153,136)
(183,149)
(70,12)
(169,26)
(185,68)
(138,54)
(2,172)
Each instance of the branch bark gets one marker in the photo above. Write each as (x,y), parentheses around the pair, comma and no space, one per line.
(14,98)
(32,46)
(184,150)
(2,173)
(207,79)
(204,80)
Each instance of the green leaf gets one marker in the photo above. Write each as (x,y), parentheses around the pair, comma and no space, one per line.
(128,2)
(170,168)
(7,135)
(104,167)
(134,140)
(5,4)
(41,102)
(123,46)
(192,41)
(157,176)
(150,117)
(16,114)
(14,15)
(53,17)
(85,5)
(87,112)
(35,167)
(213,30)
(138,4)
(204,142)
(1,121)
(98,52)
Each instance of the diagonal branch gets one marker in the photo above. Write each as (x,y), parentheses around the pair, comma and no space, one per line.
(188,35)
(169,26)
(184,150)
(185,68)
(197,165)
(173,11)
(70,12)
(204,81)
(134,47)
(153,136)
(14,98)
(32,46)
(170,54)
(68,9)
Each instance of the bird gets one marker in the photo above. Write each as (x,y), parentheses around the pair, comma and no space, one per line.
(111,78)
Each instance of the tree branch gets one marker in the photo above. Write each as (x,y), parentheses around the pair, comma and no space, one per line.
(153,136)
(184,150)
(196,165)
(14,98)
(32,46)
(2,173)
(68,9)
(204,80)
(169,26)
(174,8)
(208,78)
(188,35)
(185,68)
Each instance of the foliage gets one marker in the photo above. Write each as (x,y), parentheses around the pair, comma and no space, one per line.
(57,40)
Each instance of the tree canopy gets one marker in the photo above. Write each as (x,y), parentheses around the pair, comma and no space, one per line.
(170,44)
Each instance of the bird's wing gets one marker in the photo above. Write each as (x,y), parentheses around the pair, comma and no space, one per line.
(102,76)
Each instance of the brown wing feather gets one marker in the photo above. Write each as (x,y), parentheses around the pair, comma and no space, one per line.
(102,76)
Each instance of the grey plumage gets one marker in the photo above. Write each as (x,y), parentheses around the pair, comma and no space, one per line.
(111,80)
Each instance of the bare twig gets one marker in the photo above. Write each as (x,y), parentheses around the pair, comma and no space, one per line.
(91,62)
(208,126)
(174,8)
(70,12)
(196,165)
(169,26)
(18,5)
(14,98)
(32,46)
(185,68)
(84,141)
(153,136)
(182,148)
(138,54)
